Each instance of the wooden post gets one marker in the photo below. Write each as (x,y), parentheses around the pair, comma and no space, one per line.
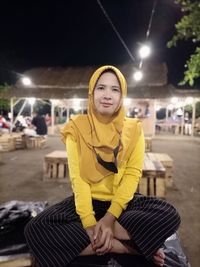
(182,122)
(154,119)
(12,114)
(22,107)
(193,116)
(67,113)
(52,115)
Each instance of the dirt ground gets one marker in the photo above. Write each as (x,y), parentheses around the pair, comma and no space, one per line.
(21,179)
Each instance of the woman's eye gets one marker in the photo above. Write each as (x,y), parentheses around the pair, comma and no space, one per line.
(100,87)
(116,89)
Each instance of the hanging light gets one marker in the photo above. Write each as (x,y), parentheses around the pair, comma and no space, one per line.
(158,108)
(138,75)
(31,100)
(174,100)
(26,81)
(179,112)
(76,104)
(189,100)
(127,101)
(144,51)
(170,107)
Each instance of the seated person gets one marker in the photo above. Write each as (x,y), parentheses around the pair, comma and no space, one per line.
(105,215)
(40,124)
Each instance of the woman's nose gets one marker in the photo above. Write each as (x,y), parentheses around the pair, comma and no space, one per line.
(107,94)
(107,97)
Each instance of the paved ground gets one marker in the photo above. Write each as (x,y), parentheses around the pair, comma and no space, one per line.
(21,179)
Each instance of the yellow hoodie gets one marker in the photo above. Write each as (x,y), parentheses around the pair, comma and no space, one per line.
(89,179)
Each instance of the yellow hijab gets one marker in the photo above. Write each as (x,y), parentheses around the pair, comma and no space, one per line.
(98,134)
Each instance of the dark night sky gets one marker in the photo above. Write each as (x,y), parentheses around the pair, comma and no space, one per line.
(66,33)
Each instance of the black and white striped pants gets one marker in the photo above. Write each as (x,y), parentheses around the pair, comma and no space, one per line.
(56,236)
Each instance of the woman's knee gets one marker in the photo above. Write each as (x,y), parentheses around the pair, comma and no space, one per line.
(30,228)
(120,232)
(175,216)
(170,214)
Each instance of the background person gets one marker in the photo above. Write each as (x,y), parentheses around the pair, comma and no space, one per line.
(188,124)
(40,125)
(4,125)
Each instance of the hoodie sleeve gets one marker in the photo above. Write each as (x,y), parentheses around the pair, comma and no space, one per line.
(81,189)
(130,180)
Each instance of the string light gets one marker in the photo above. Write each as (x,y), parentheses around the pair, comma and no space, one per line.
(31,100)
(138,75)
(26,81)
(115,30)
(144,51)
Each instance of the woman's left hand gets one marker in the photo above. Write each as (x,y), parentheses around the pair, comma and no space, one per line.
(103,234)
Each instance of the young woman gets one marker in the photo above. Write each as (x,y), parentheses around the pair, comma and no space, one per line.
(105,156)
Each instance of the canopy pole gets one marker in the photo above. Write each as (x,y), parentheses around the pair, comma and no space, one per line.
(12,114)
(193,116)
(21,109)
(182,122)
(154,119)
(52,116)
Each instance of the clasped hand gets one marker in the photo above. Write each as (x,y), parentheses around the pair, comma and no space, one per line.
(101,234)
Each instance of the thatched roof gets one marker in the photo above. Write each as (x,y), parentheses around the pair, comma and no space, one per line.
(69,82)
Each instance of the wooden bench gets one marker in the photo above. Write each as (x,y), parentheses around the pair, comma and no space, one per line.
(153,181)
(23,260)
(148,144)
(167,162)
(7,142)
(19,140)
(33,142)
(1,153)
(55,167)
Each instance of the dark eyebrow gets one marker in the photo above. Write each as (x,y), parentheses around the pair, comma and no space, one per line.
(100,84)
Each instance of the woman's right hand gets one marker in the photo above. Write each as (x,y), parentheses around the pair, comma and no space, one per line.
(90,232)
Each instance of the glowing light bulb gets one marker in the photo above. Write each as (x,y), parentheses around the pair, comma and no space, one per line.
(138,75)
(26,81)
(144,51)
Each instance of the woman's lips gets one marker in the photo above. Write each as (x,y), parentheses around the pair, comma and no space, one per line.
(106,105)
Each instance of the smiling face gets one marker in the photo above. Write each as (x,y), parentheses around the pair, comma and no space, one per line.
(107,94)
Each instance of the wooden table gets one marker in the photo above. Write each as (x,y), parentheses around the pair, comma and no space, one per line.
(167,162)
(55,167)
(153,181)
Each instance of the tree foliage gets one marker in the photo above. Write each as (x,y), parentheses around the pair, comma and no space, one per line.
(4,103)
(4,88)
(188,108)
(188,28)
(198,109)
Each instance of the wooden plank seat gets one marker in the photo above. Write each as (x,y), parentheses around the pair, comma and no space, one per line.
(19,140)
(7,142)
(33,142)
(153,181)
(167,162)
(20,260)
(12,141)
(55,167)
(148,144)
(1,153)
